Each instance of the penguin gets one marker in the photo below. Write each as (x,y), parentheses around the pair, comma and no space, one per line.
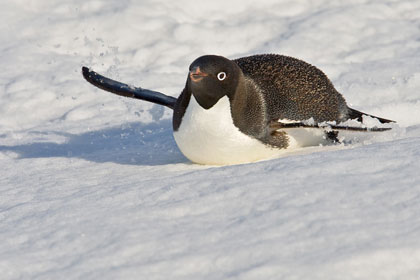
(249,109)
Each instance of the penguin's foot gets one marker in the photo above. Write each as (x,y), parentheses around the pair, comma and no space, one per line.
(332,136)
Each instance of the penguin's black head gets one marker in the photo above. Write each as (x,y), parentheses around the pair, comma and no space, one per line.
(211,77)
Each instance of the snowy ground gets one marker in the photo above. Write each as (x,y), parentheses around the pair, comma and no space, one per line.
(92,185)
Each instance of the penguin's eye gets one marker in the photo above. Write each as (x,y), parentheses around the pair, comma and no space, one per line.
(221,76)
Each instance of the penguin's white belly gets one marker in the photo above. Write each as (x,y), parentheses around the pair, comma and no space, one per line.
(210,137)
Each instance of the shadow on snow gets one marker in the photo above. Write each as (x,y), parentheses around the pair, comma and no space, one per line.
(133,143)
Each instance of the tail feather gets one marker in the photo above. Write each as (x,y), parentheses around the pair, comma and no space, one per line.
(354,114)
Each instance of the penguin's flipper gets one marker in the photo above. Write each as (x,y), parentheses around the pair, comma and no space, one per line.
(126,90)
(276,125)
(354,114)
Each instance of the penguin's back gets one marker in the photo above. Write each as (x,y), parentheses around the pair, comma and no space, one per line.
(293,89)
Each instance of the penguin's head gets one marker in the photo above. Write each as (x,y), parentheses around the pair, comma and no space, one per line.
(212,77)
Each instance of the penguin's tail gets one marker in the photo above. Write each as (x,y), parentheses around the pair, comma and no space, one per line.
(354,114)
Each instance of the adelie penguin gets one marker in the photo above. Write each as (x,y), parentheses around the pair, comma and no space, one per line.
(249,109)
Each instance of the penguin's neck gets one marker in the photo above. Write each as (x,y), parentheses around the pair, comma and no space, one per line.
(210,137)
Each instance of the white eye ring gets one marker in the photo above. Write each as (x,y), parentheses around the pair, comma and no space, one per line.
(221,76)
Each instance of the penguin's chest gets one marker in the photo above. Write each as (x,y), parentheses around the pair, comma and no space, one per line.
(210,137)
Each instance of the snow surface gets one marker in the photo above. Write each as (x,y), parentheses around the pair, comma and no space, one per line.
(93,186)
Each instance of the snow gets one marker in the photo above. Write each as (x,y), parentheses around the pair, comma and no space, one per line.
(93,186)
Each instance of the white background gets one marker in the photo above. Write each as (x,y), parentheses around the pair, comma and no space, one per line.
(93,186)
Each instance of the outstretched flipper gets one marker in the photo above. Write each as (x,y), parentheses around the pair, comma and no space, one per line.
(275,125)
(354,114)
(126,90)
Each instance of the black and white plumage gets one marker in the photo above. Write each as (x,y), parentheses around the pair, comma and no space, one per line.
(248,109)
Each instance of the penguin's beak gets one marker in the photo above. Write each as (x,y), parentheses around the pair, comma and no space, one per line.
(196,74)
